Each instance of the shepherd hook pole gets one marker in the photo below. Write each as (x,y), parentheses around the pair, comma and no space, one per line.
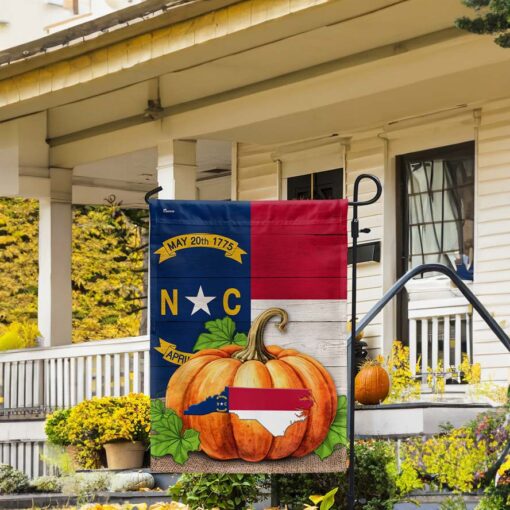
(355,231)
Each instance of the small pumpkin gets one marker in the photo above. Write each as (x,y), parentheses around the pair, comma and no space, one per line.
(372,383)
(223,435)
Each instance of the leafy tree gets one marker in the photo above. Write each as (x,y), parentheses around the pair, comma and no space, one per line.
(18,260)
(108,268)
(493,17)
(107,273)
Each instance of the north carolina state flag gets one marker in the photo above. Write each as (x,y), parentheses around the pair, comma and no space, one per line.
(211,260)
(270,402)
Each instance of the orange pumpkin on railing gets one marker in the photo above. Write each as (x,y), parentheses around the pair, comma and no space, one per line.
(223,435)
(372,383)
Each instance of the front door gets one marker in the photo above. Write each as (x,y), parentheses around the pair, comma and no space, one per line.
(435,221)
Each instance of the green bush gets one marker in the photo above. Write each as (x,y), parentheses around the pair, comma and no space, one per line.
(496,497)
(453,503)
(56,427)
(223,491)
(375,475)
(12,481)
(46,484)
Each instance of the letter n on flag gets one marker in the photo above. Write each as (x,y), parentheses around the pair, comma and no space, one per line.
(231,391)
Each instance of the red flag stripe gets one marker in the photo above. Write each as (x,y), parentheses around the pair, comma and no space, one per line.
(268,399)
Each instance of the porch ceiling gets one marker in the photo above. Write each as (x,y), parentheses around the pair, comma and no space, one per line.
(275,49)
(295,77)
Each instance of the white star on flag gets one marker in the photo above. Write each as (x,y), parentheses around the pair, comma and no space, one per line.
(200,302)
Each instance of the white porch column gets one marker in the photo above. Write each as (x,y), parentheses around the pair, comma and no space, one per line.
(55,297)
(177,169)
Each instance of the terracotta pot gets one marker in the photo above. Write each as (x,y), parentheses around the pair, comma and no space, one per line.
(124,455)
(72,451)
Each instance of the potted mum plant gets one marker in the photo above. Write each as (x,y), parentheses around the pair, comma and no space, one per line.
(126,432)
(57,432)
(118,426)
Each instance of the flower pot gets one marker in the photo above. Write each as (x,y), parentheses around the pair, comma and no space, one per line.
(124,455)
(72,452)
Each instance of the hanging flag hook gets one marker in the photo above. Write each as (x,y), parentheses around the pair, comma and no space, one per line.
(152,192)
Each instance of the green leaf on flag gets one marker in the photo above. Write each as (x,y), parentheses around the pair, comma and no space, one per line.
(168,438)
(220,332)
(157,411)
(337,434)
(240,339)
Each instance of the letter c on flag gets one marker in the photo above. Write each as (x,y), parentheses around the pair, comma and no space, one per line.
(226,306)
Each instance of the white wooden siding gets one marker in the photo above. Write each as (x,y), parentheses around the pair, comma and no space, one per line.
(256,172)
(258,180)
(365,154)
(492,262)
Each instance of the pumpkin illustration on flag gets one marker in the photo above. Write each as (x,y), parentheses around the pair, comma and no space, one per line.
(254,403)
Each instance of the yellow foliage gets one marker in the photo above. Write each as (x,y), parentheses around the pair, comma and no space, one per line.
(505,467)
(18,260)
(19,336)
(472,372)
(107,269)
(93,423)
(453,460)
(404,387)
(172,505)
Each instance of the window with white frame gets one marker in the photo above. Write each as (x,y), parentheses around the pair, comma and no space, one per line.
(438,208)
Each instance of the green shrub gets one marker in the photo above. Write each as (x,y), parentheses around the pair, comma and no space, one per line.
(223,491)
(375,476)
(46,484)
(496,497)
(453,503)
(12,481)
(85,486)
(56,427)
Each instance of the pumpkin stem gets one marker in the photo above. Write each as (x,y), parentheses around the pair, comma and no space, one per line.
(255,348)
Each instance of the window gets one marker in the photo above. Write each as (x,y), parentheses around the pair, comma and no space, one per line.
(321,185)
(437,215)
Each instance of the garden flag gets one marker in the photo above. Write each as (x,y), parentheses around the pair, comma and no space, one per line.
(247,327)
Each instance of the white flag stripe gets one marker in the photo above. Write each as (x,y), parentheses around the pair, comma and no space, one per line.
(275,422)
(316,328)
(304,310)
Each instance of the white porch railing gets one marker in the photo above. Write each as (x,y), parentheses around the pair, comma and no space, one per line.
(42,379)
(439,330)
(36,381)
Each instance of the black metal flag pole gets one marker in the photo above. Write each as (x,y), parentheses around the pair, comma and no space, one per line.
(351,364)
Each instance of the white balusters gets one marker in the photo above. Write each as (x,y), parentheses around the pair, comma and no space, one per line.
(116,375)
(67,383)
(60,377)
(88,378)
(7,385)
(428,339)
(446,342)
(107,375)
(80,383)
(136,372)
(126,374)
(73,379)
(412,345)
(99,376)
(458,340)
(53,384)
(60,383)
(435,342)
(424,347)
